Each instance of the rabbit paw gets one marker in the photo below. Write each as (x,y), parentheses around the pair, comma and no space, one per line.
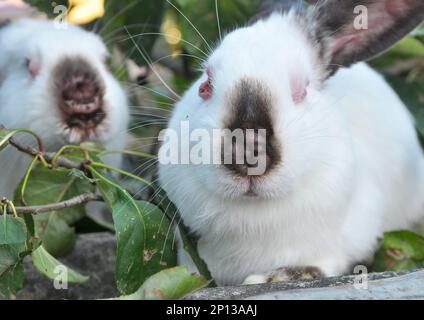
(285,274)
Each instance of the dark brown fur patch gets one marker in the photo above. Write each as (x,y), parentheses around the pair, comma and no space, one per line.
(79,92)
(77,66)
(251,105)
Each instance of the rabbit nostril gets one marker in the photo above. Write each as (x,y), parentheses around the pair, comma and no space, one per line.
(79,85)
(251,120)
(80,94)
(254,151)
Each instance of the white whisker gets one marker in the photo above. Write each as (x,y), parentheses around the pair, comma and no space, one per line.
(144,56)
(194,27)
(218,20)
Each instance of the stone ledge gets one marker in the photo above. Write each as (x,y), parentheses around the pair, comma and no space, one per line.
(387,285)
(94,255)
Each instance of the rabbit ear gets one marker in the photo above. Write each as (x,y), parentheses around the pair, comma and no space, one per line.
(350,31)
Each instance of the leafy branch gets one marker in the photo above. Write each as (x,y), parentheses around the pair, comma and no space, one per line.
(49,157)
(143,230)
(75,201)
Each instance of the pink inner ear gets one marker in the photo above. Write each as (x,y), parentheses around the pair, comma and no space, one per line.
(299,85)
(380,17)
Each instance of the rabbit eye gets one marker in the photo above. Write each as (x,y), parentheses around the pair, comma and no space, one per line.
(206,88)
(33,67)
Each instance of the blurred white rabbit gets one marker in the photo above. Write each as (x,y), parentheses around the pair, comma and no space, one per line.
(55,82)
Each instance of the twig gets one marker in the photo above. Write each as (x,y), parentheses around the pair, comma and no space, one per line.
(72,202)
(81,199)
(48,156)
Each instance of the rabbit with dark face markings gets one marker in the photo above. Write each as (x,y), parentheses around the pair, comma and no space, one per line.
(55,82)
(343,160)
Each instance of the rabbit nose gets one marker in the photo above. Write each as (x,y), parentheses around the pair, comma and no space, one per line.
(251,154)
(256,146)
(81,95)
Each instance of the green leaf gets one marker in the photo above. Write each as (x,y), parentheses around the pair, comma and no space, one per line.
(47,186)
(47,265)
(412,94)
(12,230)
(12,251)
(419,32)
(144,236)
(408,48)
(81,175)
(4,137)
(76,155)
(170,284)
(189,242)
(11,269)
(30,224)
(55,233)
(400,250)
(11,273)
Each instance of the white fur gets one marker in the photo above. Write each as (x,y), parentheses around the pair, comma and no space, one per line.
(352,166)
(28,103)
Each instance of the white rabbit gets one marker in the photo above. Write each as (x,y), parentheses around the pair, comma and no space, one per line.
(343,160)
(55,82)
